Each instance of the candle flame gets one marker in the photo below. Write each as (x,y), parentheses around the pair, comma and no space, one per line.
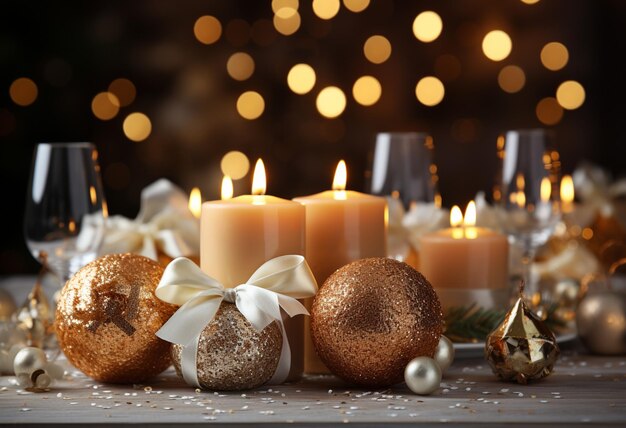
(195,202)
(567,189)
(545,190)
(341,176)
(456,216)
(227,188)
(259,182)
(470,214)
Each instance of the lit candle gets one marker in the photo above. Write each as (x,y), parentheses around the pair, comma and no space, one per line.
(465,263)
(341,226)
(195,202)
(240,234)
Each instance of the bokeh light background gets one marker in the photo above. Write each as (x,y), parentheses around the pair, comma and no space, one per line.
(190,90)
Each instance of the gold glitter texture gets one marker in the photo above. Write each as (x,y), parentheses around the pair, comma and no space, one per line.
(107,317)
(373,316)
(522,348)
(232,354)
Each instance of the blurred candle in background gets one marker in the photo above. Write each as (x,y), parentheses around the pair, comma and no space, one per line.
(341,226)
(465,263)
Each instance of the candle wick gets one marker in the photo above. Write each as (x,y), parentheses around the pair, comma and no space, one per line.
(522,284)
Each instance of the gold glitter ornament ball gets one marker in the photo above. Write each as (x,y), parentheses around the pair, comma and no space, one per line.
(373,316)
(232,354)
(107,317)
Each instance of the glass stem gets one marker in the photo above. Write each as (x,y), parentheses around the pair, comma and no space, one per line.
(531,289)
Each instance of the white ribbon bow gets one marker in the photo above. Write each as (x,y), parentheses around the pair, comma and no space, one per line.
(596,192)
(275,285)
(164,223)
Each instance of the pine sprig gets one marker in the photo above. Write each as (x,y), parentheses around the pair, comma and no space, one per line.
(472,324)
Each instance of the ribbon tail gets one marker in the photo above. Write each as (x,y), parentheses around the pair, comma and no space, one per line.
(284,363)
(188,363)
(172,243)
(185,326)
(148,248)
(291,306)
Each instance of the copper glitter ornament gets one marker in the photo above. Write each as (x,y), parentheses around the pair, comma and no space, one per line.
(232,354)
(373,316)
(107,317)
(522,348)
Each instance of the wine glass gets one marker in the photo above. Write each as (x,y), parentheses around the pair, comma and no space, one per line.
(527,197)
(403,170)
(403,166)
(65,207)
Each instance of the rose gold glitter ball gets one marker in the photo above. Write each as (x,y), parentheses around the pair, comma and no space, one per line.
(232,354)
(373,316)
(107,317)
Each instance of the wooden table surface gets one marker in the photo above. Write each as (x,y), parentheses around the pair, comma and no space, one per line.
(583,390)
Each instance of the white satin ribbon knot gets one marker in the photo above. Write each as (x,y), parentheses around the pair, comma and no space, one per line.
(274,286)
(164,223)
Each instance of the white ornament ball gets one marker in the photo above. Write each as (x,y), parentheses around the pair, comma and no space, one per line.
(444,354)
(54,370)
(29,359)
(422,375)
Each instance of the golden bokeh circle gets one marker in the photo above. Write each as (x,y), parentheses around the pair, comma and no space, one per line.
(548,111)
(554,56)
(301,78)
(356,5)
(105,105)
(124,90)
(235,164)
(287,26)
(137,126)
(511,79)
(570,94)
(23,91)
(427,26)
(377,49)
(497,45)
(429,91)
(250,105)
(331,102)
(326,9)
(367,90)
(280,4)
(207,29)
(240,66)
